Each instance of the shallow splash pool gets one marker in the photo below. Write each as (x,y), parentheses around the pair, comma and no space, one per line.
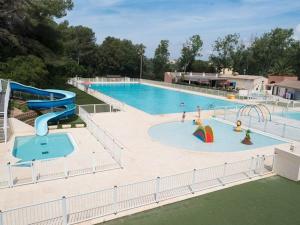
(28,148)
(180,135)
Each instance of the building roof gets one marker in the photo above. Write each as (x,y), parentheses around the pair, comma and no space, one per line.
(242,77)
(205,77)
(282,75)
(214,76)
(295,84)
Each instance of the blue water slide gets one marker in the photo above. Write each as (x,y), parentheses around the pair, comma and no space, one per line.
(57,98)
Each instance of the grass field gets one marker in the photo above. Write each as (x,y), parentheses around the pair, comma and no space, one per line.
(270,201)
(82,98)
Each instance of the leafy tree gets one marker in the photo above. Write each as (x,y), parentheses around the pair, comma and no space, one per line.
(202,66)
(161,59)
(29,70)
(224,51)
(190,50)
(271,48)
(293,56)
(27,27)
(148,68)
(117,56)
(281,68)
(79,43)
(49,9)
(241,58)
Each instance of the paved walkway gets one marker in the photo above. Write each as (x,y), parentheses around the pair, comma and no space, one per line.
(143,158)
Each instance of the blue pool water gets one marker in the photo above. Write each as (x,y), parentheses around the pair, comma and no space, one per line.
(156,100)
(290,115)
(180,135)
(27,148)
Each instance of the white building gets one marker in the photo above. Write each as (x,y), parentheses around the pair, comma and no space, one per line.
(247,82)
(287,89)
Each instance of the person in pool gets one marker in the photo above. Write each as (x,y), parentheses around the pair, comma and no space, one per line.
(183,117)
(199,111)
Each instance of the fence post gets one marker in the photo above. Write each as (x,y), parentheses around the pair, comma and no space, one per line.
(93,162)
(115,196)
(283,130)
(33,171)
(1,218)
(10,179)
(65,167)
(224,170)
(156,195)
(273,161)
(193,181)
(262,159)
(64,210)
(94,108)
(250,169)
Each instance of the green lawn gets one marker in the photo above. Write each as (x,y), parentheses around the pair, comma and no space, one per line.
(82,98)
(270,201)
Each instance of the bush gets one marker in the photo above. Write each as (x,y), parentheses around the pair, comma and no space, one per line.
(29,70)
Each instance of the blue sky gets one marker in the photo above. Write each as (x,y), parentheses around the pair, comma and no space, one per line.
(149,21)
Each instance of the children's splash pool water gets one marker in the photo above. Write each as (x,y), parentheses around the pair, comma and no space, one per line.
(28,148)
(180,135)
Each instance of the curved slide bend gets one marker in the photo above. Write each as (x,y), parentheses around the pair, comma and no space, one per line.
(60,99)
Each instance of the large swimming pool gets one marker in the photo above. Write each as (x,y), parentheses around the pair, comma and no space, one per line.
(154,100)
(28,148)
(180,135)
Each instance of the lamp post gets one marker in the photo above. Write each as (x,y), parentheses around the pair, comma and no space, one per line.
(141,66)
(141,53)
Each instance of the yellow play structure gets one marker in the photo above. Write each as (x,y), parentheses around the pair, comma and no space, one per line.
(197,122)
(238,127)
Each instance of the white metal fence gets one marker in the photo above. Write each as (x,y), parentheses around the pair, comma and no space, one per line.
(97,108)
(108,79)
(5,88)
(86,88)
(30,172)
(275,102)
(104,137)
(79,208)
(276,127)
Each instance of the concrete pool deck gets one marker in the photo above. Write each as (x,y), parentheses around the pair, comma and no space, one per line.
(143,158)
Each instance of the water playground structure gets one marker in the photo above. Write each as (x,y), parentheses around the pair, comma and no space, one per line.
(204,133)
(61,101)
(262,111)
